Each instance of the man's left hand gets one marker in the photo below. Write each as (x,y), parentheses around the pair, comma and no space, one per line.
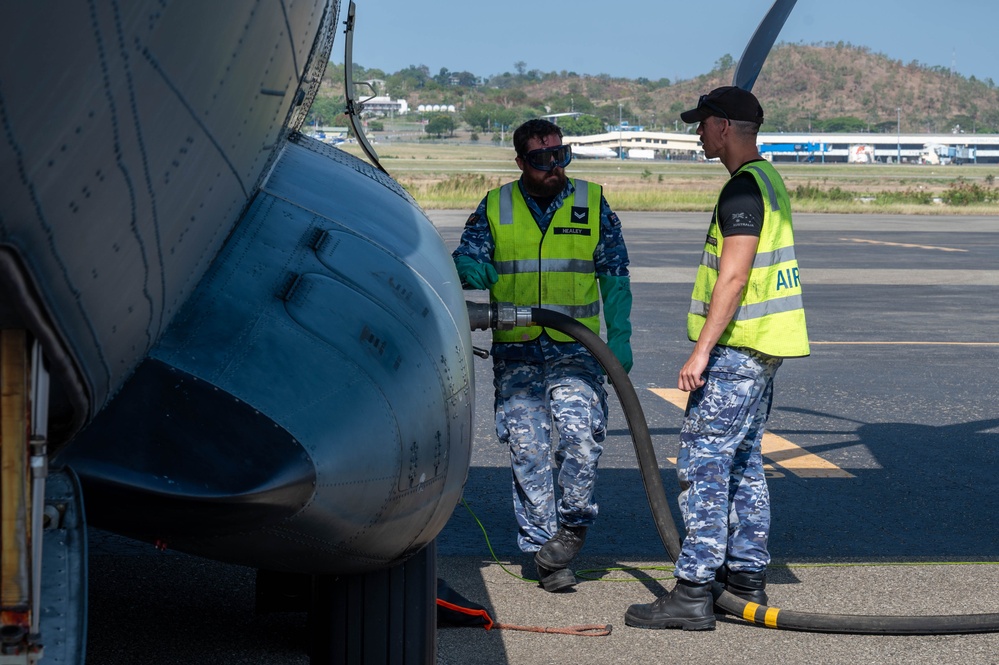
(622,351)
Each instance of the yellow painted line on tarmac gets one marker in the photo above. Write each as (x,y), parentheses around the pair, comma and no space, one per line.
(782,452)
(903,244)
(674,396)
(799,461)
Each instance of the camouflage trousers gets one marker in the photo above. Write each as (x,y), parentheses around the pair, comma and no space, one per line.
(532,399)
(724,498)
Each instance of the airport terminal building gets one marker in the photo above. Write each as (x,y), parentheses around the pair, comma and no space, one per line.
(859,148)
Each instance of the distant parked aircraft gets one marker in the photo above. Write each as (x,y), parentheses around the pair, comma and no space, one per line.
(593,152)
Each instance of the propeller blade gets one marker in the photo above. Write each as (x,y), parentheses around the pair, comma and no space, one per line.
(759,46)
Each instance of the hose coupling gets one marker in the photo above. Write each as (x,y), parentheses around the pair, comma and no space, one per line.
(509,316)
(497,315)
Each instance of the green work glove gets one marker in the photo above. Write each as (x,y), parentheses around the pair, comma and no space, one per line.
(476,275)
(616,294)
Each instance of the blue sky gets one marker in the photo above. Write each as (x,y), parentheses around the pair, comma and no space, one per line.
(659,38)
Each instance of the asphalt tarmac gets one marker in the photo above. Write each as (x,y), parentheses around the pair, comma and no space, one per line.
(883,463)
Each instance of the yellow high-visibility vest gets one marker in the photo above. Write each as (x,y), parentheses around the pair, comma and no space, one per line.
(554,270)
(770,317)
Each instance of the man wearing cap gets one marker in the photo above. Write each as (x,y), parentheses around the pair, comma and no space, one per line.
(550,241)
(745,317)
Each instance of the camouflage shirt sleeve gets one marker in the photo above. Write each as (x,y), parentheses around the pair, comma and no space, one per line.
(476,240)
(611,255)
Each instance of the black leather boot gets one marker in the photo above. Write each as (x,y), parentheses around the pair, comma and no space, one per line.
(748,586)
(556,580)
(688,606)
(563,547)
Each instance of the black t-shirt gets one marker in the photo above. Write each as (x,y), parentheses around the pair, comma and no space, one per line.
(543,202)
(740,207)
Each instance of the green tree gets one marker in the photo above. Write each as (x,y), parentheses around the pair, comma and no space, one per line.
(480,116)
(724,63)
(504,119)
(324,110)
(407,80)
(466,79)
(611,114)
(584,125)
(440,124)
(561,103)
(443,77)
(844,124)
(524,113)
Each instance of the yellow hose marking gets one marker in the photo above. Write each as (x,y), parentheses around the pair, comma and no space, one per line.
(769,619)
(782,452)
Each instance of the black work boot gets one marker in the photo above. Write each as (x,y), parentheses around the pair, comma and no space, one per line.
(688,606)
(563,547)
(748,586)
(556,580)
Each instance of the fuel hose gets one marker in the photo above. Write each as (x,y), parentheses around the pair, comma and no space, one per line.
(648,466)
(505,316)
(857,624)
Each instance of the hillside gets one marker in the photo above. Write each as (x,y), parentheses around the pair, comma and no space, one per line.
(829,87)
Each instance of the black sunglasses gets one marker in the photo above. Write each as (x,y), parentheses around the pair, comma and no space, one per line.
(548,159)
(703,101)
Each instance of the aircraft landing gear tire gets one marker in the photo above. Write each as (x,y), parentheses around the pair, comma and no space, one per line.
(384,616)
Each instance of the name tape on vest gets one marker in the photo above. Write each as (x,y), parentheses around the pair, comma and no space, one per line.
(570,231)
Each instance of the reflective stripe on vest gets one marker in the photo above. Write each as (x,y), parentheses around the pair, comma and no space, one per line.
(554,270)
(770,317)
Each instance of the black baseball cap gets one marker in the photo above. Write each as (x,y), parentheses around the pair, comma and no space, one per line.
(727,102)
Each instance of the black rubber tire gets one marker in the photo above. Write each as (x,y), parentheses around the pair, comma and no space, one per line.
(387,616)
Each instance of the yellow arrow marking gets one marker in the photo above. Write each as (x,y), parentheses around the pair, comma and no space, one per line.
(782,452)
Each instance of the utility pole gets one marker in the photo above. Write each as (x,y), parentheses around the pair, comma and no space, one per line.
(898,159)
(620,137)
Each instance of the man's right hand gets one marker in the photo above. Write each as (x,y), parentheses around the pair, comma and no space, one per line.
(692,373)
(474,274)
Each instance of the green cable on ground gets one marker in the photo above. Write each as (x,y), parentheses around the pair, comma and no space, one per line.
(579,573)
(586,573)
(489,545)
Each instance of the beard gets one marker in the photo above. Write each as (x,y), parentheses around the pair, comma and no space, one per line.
(548,185)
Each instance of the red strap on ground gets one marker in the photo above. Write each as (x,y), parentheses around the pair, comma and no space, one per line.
(487,621)
(584,630)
